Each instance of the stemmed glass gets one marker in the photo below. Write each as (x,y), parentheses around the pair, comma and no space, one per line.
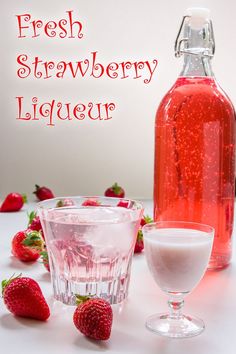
(177,254)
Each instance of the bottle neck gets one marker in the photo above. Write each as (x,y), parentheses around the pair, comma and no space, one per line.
(197,66)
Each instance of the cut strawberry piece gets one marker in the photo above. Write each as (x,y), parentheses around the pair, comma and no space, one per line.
(123,204)
(91,202)
(65,203)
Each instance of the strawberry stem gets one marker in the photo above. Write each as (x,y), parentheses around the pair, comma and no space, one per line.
(44,255)
(116,188)
(36,189)
(24,198)
(148,219)
(80,299)
(60,204)
(140,236)
(34,240)
(31,217)
(6,282)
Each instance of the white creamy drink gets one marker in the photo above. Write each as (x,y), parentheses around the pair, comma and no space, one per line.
(177,258)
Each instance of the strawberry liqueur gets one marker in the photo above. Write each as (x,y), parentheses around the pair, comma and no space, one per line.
(195,143)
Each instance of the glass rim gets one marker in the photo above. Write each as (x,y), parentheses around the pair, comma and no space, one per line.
(44,204)
(208,229)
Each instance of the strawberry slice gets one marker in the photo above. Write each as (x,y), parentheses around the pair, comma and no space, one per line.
(64,203)
(123,203)
(91,202)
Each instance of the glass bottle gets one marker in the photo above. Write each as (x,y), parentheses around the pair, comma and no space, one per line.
(195,142)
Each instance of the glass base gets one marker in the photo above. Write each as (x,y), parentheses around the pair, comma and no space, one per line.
(114,291)
(181,327)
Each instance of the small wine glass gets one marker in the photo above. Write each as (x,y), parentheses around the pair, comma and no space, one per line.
(177,254)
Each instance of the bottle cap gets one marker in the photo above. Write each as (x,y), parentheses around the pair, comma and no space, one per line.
(195,35)
(199,16)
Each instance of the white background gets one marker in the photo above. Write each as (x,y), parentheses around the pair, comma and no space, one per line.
(84,157)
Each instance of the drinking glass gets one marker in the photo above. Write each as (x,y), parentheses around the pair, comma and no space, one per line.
(90,243)
(177,255)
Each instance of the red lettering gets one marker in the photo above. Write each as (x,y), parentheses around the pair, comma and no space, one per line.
(67,105)
(91,105)
(27,115)
(24,71)
(96,67)
(46,110)
(63,111)
(112,67)
(50,26)
(37,74)
(138,65)
(26,18)
(109,107)
(35,104)
(79,34)
(61,28)
(124,66)
(79,67)
(61,25)
(36,24)
(48,65)
(79,108)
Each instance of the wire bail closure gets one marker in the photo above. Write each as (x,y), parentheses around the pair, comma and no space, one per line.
(182,45)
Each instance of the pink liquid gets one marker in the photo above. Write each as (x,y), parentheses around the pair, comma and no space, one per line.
(90,251)
(194,160)
(177,258)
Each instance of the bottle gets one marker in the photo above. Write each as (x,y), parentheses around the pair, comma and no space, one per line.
(195,142)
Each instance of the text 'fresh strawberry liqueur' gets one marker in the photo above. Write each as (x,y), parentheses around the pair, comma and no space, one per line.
(195,142)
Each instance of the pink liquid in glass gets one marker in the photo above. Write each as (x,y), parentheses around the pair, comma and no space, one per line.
(194,160)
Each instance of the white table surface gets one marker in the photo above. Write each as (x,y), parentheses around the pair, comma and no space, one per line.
(214,300)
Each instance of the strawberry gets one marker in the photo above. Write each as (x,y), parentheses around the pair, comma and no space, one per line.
(13,202)
(23,297)
(123,204)
(27,245)
(115,191)
(43,193)
(34,223)
(139,245)
(64,203)
(145,220)
(91,202)
(44,255)
(93,317)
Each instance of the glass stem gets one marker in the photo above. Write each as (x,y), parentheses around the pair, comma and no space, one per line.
(175,307)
